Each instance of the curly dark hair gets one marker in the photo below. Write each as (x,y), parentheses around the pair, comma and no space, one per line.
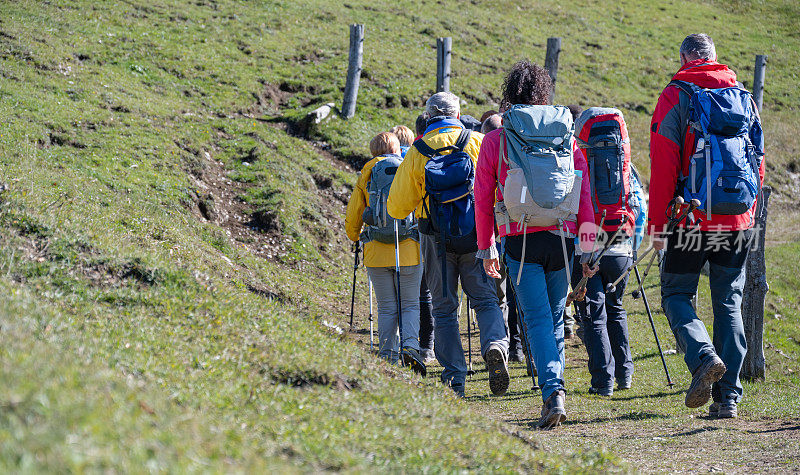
(526,83)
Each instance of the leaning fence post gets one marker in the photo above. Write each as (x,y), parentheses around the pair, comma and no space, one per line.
(758,79)
(551,62)
(443,50)
(754,294)
(353,70)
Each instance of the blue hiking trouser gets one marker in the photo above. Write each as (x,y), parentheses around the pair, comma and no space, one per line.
(482,298)
(541,297)
(605,326)
(679,279)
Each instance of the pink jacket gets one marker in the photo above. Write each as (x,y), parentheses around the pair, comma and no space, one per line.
(487,193)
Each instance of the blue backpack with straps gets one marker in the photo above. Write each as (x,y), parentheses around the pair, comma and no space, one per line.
(724,169)
(449,203)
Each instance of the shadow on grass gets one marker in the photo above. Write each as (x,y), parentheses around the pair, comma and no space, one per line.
(509,396)
(645,356)
(632,416)
(647,396)
(695,431)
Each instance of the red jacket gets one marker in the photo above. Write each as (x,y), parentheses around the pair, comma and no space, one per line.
(668,131)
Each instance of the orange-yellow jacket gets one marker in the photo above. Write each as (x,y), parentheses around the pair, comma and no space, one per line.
(408,187)
(376,254)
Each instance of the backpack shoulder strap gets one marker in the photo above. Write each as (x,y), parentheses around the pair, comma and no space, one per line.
(685,86)
(428,151)
(424,148)
(463,139)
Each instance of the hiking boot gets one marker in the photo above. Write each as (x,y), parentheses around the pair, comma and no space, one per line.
(498,371)
(553,412)
(707,374)
(601,392)
(413,360)
(723,410)
(516,355)
(624,384)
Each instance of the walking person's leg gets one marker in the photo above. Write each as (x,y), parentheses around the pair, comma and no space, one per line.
(383,283)
(538,320)
(448,348)
(514,335)
(426,340)
(595,337)
(482,294)
(726,278)
(410,277)
(679,278)
(611,267)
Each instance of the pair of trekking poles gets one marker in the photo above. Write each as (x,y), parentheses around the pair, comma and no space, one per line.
(356,251)
(675,216)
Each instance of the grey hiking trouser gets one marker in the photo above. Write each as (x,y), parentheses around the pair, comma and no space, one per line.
(482,298)
(384,281)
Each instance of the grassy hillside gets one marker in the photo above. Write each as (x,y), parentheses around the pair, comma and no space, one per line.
(171,254)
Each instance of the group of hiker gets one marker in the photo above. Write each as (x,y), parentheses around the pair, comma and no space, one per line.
(537,198)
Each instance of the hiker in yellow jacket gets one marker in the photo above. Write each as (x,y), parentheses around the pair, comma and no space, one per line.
(368,201)
(460,263)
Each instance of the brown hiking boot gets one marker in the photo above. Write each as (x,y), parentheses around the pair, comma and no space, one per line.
(707,374)
(498,370)
(553,411)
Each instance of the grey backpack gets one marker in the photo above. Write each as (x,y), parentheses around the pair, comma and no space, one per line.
(542,187)
(379,225)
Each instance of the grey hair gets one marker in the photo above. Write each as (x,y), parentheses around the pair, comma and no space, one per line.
(698,46)
(443,104)
(494,121)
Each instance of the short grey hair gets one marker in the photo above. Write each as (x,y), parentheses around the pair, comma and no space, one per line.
(443,104)
(494,121)
(698,46)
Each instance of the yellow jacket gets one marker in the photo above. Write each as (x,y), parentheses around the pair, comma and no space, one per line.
(376,254)
(408,187)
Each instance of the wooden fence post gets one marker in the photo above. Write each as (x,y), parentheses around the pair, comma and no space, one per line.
(353,70)
(443,50)
(754,294)
(551,62)
(758,80)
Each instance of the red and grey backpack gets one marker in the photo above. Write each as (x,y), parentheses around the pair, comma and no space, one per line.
(603,135)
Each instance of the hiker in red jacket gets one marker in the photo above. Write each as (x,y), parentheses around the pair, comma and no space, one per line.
(687,160)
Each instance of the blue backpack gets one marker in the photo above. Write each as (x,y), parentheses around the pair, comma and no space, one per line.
(450,208)
(639,207)
(724,168)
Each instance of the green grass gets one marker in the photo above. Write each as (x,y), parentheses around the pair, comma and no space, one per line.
(146,324)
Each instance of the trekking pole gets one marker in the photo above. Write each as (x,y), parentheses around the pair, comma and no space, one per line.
(370,314)
(579,292)
(470,372)
(675,217)
(652,324)
(397,274)
(356,249)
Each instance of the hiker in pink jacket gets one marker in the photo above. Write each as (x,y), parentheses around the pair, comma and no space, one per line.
(538,261)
